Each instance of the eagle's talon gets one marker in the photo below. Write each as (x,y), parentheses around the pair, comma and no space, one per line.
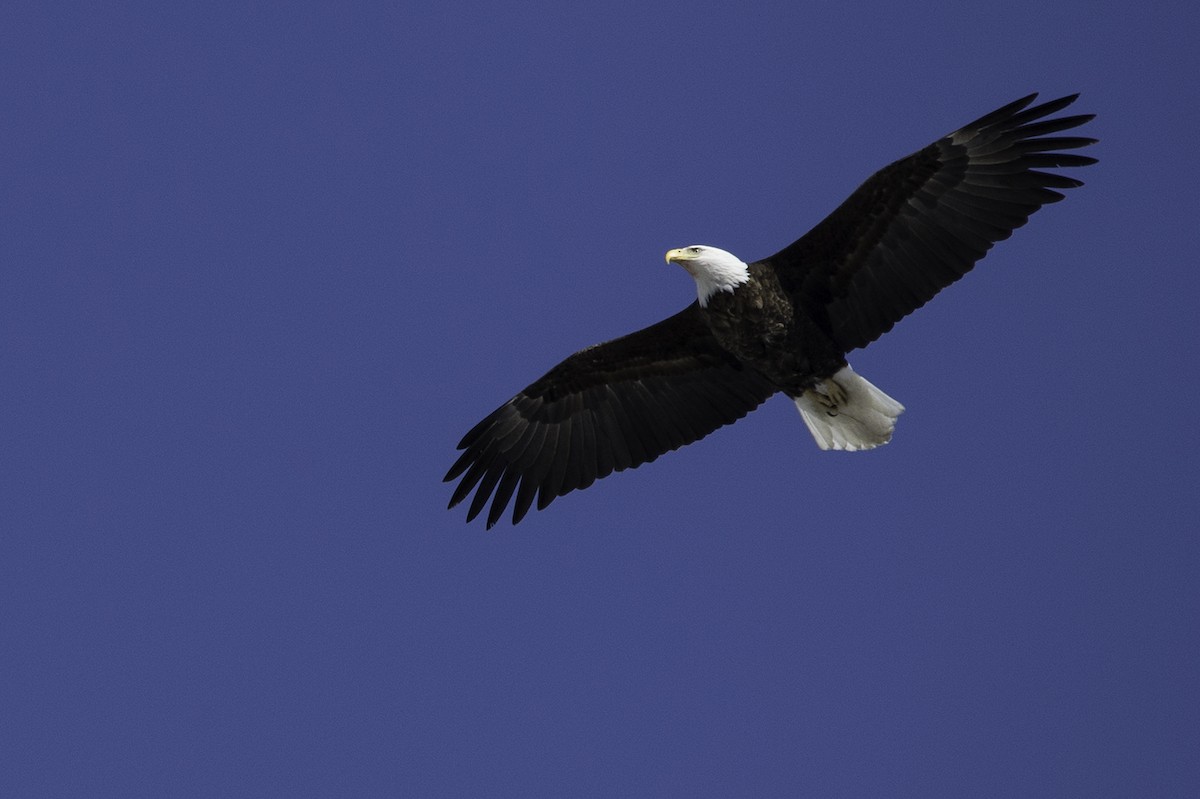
(837,394)
(829,394)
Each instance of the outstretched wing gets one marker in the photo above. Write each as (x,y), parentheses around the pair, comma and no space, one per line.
(606,408)
(921,223)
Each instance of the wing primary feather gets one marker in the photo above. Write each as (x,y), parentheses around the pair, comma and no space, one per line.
(525,494)
(485,490)
(527,467)
(463,461)
(1044,109)
(477,470)
(504,492)
(1002,113)
(1047,143)
(1036,129)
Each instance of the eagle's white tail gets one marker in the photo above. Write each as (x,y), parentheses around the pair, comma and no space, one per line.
(850,415)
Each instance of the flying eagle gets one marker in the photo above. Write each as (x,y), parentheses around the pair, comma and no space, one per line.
(784,323)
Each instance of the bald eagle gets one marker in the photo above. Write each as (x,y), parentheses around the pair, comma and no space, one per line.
(782,324)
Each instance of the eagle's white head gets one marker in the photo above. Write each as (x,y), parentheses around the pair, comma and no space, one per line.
(713,269)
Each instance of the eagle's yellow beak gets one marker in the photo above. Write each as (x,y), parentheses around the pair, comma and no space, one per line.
(674,255)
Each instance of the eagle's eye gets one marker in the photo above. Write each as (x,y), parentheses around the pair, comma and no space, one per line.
(694,249)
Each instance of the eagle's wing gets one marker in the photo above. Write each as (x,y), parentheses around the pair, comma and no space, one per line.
(606,408)
(921,223)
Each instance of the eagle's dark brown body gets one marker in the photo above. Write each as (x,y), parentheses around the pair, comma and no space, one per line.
(758,324)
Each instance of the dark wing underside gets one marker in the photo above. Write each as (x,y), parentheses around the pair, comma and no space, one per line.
(921,223)
(606,408)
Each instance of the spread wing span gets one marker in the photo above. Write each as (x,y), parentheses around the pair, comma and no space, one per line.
(606,408)
(921,223)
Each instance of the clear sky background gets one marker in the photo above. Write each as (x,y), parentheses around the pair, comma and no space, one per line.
(263,266)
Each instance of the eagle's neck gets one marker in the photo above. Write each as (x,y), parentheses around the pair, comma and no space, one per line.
(717,271)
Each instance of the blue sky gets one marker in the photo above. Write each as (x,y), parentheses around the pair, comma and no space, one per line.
(264,266)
